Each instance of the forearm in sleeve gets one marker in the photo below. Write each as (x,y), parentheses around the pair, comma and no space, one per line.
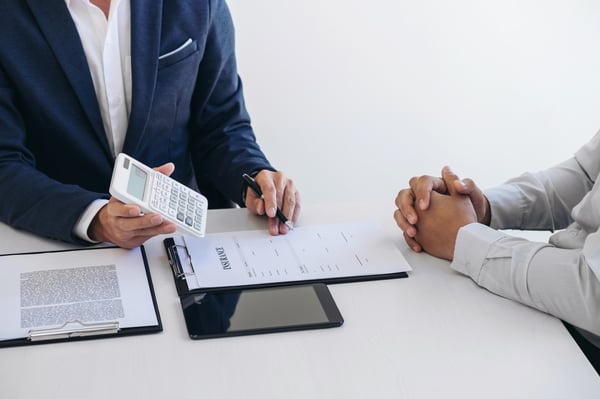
(557,281)
(31,200)
(223,143)
(539,201)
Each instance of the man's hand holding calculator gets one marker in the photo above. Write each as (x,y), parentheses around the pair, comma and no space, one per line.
(125,225)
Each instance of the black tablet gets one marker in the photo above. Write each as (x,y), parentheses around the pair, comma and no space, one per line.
(259,310)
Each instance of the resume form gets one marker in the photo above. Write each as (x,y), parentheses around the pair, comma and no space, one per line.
(315,252)
(66,289)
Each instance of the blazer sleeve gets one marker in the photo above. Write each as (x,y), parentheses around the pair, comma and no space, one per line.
(222,141)
(30,200)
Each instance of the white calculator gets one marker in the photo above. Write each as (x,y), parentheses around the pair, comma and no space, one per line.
(135,183)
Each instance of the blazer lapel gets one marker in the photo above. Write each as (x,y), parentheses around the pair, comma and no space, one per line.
(146,20)
(55,22)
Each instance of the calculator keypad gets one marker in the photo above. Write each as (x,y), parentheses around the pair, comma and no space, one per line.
(179,202)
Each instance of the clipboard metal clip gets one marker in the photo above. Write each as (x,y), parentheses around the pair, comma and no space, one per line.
(176,264)
(74,328)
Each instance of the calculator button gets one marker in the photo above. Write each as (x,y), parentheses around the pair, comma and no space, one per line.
(178,202)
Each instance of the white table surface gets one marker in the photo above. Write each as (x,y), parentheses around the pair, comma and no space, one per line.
(432,335)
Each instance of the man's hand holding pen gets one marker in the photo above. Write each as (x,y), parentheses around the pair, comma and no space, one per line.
(275,195)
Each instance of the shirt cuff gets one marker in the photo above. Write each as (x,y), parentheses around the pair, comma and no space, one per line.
(83,224)
(472,247)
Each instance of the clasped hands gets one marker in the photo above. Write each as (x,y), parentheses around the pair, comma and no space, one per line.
(123,224)
(432,210)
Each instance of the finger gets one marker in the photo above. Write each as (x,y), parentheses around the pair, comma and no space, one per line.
(288,204)
(281,185)
(163,228)
(423,186)
(479,201)
(461,187)
(403,223)
(405,202)
(133,224)
(465,186)
(404,196)
(269,190)
(116,208)
(286,189)
(297,209)
(254,203)
(166,169)
(450,178)
(469,186)
(273,226)
(412,243)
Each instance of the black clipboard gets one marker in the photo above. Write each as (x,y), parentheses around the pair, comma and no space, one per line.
(177,252)
(75,330)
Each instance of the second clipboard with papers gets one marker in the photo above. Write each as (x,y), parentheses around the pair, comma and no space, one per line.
(328,253)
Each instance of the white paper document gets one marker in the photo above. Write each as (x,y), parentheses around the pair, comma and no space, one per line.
(73,289)
(315,252)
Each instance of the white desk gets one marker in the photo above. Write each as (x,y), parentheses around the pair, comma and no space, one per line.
(432,335)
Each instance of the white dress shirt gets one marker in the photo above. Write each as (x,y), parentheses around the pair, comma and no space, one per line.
(107,47)
(561,277)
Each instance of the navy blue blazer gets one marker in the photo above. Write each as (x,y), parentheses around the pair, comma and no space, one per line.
(187,108)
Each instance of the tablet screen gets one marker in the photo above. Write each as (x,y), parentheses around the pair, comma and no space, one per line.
(262,310)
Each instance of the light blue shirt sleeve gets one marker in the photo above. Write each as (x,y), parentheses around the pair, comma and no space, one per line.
(554,280)
(561,277)
(539,201)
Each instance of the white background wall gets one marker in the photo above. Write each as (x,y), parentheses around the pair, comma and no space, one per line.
(351,98)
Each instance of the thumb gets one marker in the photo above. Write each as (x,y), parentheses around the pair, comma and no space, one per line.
(451,180)
(465,186)
(166,169)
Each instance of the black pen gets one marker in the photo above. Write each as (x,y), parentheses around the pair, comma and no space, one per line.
(255,187)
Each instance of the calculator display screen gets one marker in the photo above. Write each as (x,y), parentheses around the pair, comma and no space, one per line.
(137,182)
